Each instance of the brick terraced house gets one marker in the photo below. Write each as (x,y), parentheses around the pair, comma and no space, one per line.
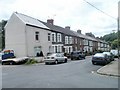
(28,36)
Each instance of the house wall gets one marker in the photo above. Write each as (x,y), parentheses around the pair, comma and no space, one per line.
(43,40)
(82,44)
(15,36)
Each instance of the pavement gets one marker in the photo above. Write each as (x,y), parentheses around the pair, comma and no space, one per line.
(110,69)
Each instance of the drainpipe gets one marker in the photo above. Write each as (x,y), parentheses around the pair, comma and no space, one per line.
(26,45)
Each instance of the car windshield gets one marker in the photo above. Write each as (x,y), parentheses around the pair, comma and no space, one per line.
(99,55)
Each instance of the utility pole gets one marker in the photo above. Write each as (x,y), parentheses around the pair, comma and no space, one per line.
(118,20)
(118,38)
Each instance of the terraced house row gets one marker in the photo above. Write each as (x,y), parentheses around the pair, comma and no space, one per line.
(28,36)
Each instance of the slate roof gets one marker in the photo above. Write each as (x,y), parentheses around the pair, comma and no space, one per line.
(30,20)
(59,29)
(85,36)
(38,23)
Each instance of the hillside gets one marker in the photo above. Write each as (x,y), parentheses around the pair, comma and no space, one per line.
(112,38)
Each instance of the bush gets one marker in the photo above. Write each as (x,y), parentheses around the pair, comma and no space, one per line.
(30,61)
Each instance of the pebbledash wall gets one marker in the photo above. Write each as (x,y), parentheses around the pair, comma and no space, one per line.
(20,37)
(28,36)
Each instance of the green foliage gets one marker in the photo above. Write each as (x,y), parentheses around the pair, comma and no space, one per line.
(30,61)
(112,39)
(2,33)
(115,44)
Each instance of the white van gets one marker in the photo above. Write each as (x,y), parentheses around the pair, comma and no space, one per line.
(115,52)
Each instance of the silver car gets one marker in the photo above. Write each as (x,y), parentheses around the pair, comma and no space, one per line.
(55,58)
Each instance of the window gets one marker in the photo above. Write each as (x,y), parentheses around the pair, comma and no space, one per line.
(58,37)
(75,40)
(66,39)
(70,40)
(37,36)
(38,51)
(85,42)
(58,50)
(55,49)
(48,36)
(53,37)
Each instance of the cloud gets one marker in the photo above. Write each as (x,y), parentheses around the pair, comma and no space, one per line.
(76,13)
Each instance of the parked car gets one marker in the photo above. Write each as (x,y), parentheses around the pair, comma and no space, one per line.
(110,55)
(6,54)
(55,58)
(115,52)
(100,58)
(14,61)
(77,55)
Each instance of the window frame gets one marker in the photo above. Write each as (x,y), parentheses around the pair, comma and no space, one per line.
(49,37)
(37,36)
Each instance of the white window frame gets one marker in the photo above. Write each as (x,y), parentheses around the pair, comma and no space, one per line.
(75,40)
(70,40)
(49,37)
(37,34)
(53,37)
(66,39)
(59,37)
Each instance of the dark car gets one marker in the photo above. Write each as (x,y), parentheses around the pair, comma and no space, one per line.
(100,58)
(77,55)
(110,55)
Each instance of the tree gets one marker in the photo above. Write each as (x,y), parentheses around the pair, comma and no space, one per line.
(2,34)
(110,37)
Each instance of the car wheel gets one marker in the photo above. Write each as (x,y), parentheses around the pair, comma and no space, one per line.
(71,58)
(12,63)
(94,63)
(65,60)
(56,61)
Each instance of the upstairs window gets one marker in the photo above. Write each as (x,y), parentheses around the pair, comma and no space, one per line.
(58,37)
(53,37)
(37,36)
(66,39)
(48,36)
(70,40)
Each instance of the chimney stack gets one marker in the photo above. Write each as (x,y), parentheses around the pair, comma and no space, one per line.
(50,21)
(67,27)
(79,31)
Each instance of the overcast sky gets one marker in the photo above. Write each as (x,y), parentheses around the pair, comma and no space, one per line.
(74,13)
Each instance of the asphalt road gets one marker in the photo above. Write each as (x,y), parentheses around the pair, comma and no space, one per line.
(74,74)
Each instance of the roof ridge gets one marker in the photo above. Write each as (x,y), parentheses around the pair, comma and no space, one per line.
(26,15)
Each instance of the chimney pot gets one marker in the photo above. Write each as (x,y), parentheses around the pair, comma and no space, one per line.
(50,21)
(79,31)
(67,27)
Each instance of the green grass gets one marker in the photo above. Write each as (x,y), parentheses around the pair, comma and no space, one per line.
(31,61)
